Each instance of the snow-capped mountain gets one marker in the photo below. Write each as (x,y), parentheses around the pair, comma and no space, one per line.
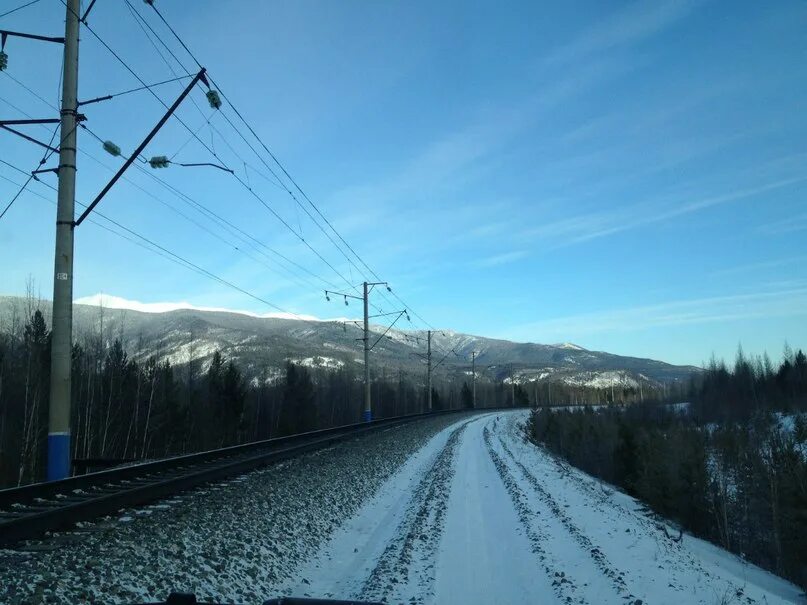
(260,345)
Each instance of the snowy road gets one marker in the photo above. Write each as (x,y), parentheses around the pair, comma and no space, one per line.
(478,516)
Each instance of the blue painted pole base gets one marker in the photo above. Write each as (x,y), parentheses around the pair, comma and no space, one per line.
(367,415)
(58,456)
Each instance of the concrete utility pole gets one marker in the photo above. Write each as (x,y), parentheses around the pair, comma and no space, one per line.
(429,366)
(62,334)
(367,414)
(368,411)
(381,386)
(473,379)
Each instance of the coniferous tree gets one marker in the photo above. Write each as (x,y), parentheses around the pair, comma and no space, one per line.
(466,396)
(299,412)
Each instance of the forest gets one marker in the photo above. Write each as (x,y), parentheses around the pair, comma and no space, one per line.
(730,466)
(125,410)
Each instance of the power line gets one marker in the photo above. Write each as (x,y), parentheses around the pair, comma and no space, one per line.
(274,182)
(285,172)
(234,230)
(139,79)
(171,29)
(211,215)
(300,237)
(32,176)
(189,264)
(199,268)
(286,188)
(38,96)
(141,22)
(12,166)
(248,187)
(195,136)
(208,211)
(137,89)
(14,10)
(280,182)
(196,132)
(401,314)
(212,152)
(217,217)
(205,211)
(92,220)
(289,191)
(444,358)
(274,158)
(17,195)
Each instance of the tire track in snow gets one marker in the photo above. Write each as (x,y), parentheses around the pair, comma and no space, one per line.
(678,561)
(675,561)
(595,552)
(407,563)
(565,588)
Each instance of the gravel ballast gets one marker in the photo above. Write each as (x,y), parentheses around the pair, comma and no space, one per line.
(235,541)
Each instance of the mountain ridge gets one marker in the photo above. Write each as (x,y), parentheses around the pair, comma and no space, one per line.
(262,345)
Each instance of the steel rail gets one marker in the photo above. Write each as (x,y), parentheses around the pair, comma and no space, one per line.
(32,510)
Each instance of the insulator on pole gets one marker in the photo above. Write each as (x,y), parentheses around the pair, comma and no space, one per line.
(214,99)
(111,148)
(159,161)
(3,60)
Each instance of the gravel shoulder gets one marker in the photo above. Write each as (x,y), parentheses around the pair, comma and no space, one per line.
(387,550)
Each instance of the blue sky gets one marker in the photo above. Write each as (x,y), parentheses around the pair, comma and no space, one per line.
(626,176)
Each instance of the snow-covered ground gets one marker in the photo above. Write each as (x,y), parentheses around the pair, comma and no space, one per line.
(456,509)
(479,515)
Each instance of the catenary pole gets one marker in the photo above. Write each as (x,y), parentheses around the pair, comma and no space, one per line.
(367,415)
(429,365)
(62,335)
(473,374)
(368,410)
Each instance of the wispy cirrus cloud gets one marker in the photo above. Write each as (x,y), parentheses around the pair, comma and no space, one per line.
(593,225)
(779,303)
(632,24)
(786,225)
(500,259)
(762,265)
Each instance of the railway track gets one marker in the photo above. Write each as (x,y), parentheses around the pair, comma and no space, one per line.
(32,510)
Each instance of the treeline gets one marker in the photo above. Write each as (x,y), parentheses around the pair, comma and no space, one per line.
(125,409)
(551,394)
(731,468)
(723,394)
